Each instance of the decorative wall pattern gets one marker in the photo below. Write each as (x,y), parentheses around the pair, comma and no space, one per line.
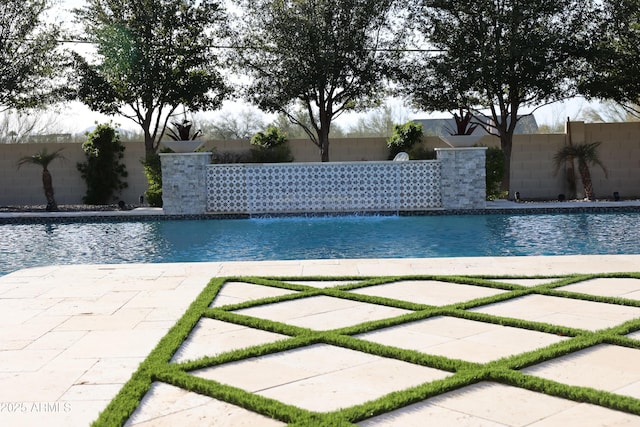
(227,188)
(323,187)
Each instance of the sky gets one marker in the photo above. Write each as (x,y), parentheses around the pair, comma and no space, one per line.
(77,118)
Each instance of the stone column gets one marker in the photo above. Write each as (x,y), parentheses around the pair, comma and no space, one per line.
(463,182)
(184,183)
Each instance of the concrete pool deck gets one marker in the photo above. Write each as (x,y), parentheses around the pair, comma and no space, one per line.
(73,335)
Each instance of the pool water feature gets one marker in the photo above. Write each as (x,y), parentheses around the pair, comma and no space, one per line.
(28,245)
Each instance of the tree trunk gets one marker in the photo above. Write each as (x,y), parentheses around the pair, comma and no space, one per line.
(571,179)
(47,184)
(585,176)
(506,145)
(323,140)
(149,149)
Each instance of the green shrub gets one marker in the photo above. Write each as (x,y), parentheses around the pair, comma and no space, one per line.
(225,157)
(272,137)
(103,171)
(270,146)
(494,172)
(404,138)
(280,154)
(153,172)
(422,153)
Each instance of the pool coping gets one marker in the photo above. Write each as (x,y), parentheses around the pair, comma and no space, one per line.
(500,207)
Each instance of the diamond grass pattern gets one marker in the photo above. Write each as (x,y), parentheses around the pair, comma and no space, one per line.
(393,350)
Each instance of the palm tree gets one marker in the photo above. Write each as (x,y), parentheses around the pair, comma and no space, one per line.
(587,155)
(43,158)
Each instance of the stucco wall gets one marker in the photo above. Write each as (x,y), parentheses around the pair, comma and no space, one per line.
(24,186)
(531,171)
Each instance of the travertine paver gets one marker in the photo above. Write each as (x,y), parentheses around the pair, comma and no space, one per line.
(322,283)
(55,340)
(489,404)
(429,292)
(47,384)
(110,371)
(124,319)
(71,339)
(167,406)
(589,415)
(106,304)
(321,377)
(462,339)
(20,335)
(211,337)
(121,343)
(609,286)
(322,312)
(612,368)
(238,292)
(563,311)
(525,282)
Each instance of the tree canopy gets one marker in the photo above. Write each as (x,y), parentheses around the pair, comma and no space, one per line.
(153,56)
(326,56)
(613,70)
(494,57)
(31,63)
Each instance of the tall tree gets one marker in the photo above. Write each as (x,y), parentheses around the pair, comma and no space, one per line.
(31,62)
(613,70)
(153,56)
(326,56)
(494,57)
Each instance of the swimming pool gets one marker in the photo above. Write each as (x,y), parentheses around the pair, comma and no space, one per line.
(30,245)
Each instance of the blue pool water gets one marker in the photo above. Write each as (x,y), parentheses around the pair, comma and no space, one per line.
(317,238)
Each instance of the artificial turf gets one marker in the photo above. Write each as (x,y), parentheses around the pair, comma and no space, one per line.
(158,366)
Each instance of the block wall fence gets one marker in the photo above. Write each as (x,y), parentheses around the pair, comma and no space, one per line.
(532,171)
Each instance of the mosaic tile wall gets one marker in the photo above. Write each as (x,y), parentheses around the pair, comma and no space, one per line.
(328,187)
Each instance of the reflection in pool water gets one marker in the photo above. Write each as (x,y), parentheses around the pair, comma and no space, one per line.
(317,238)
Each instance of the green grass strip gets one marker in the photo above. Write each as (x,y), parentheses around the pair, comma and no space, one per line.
(158,366)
